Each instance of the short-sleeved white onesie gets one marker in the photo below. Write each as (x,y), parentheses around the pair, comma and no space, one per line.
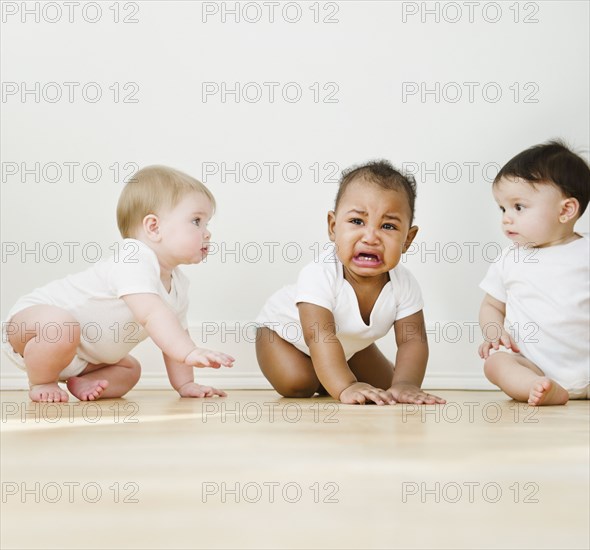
(547,297)
(108,329)
(323,283)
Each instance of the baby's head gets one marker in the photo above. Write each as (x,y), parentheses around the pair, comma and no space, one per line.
(371,223)
(169,210)
(382,174)
(542,192)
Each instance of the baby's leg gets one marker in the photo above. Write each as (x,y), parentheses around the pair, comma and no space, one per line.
(104,380)
(372,367)
(289,370)
(522,380)
(47,337)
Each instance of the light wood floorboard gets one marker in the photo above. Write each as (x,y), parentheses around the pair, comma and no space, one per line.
(258,471)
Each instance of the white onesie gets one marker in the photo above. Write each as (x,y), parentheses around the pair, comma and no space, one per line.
(108,329)
(323,283)
(547,297)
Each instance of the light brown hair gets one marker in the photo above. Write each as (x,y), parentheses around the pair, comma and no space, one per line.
(151,190)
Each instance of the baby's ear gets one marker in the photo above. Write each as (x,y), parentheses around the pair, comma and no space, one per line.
(569,209)
(331,225)
(412,232)
(151,226)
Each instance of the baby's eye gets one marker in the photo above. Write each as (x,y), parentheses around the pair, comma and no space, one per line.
(356,221)
(197,221)
(518,207)
(502,209)
(389,227)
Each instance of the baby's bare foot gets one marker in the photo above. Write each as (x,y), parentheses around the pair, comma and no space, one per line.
(86,389)
(545,391)
(48,393)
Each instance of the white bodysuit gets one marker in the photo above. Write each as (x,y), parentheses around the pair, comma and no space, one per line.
(93,297)
(322,283)
(547,297)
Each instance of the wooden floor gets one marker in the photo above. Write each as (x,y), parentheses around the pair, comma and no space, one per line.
(257,471)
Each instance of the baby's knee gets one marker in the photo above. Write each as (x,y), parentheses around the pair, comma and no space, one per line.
(62,335)
(297,386)
(133,368)
(302,393)
(491,365)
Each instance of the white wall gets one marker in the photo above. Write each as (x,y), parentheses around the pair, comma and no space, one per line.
(364,59)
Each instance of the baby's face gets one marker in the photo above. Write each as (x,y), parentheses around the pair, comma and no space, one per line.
(371,229)
(185,237)
(530,215)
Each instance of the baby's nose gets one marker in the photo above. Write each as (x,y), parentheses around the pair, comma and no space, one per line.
(370,234)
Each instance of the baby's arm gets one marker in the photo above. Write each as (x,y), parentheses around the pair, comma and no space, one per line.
(329,361)
(166,331)
(491,321)
(410,361)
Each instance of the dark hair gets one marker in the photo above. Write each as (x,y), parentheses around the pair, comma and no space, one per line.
(382,173)
(553,163)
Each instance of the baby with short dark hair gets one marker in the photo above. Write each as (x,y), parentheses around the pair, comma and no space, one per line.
(537,304)
(318,336)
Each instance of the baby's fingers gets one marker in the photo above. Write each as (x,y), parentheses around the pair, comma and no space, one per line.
(387,397)
(430,399)
(194,391)
(506,341)
(379,397)
(221,359)
(214,360)
(514,346)
(201,361)
(484,350)
(416,397)
(373,396)
(355,398)
(210,391)
(359,398)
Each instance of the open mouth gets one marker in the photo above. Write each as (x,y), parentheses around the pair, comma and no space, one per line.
(367,258)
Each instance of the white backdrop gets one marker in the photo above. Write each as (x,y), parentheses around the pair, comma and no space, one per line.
(266,102)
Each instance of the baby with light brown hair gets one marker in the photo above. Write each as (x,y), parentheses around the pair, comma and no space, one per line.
(80,329)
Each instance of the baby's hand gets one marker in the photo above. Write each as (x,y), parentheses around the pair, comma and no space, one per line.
(200,357)
(360,393)
(193,389)
(504,340)
(406,393)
